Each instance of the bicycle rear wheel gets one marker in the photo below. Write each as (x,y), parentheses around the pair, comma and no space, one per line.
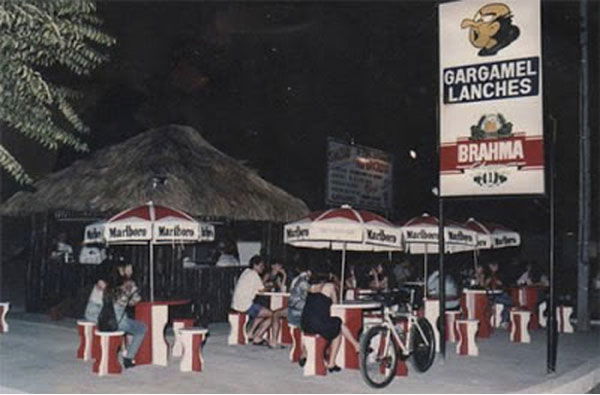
(423,349)
(378,357)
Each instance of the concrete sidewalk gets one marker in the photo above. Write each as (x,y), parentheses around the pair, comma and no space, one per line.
(39,356)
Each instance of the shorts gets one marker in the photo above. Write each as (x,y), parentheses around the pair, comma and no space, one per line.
(254,310)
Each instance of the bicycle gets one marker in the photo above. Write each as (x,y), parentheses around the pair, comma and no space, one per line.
(384,343)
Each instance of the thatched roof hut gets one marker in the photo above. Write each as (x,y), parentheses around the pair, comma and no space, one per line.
(187,172)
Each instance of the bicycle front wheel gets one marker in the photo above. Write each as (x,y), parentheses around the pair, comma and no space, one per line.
(378,357)
(423,347)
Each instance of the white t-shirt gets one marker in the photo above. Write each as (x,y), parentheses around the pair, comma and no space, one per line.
(246,288)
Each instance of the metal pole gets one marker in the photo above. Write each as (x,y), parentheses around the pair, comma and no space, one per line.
(343,273)
(583,318)
(151,247)
(551,333)
(442,279)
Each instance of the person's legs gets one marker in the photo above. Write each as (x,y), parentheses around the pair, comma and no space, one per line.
(135,328)
(348,335)
(334,348)
(255,323)
(505,300)
(265,316)
(277,315)
(253,315)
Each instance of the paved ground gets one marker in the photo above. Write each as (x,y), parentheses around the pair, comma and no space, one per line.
(39,356)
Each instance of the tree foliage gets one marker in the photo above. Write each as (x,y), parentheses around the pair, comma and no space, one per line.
(39,38)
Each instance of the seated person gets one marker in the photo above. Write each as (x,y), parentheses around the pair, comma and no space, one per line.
(275,279)
(350,281)
(126,294)
(298,292)
(378,280)
(533,276)
(402,271)
(493,282)
(433,290)
(317,319)
(479,277)
(248,285)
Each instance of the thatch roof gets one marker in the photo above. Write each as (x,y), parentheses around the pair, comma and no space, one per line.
(200,180)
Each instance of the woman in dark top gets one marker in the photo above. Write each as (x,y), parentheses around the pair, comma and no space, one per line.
(317,319)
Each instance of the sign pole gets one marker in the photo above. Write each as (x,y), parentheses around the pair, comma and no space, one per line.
(441,279)
(551,333)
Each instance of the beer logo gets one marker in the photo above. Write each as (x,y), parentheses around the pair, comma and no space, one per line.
(491,29)
(490,179)
(491,126)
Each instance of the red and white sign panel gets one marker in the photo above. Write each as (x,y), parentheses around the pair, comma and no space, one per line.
(491,122)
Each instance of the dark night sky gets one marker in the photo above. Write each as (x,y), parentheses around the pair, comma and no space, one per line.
(268,82)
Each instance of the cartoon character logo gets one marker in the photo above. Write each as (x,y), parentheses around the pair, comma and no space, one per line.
(491,126)
(491,29)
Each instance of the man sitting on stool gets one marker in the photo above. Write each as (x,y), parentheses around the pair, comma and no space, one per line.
(248,285)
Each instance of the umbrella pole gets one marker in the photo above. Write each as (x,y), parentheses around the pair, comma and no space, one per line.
(151,247)
(343,273)
(425,272)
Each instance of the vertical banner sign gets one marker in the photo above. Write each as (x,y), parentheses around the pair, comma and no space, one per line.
(491,122)
(358,176)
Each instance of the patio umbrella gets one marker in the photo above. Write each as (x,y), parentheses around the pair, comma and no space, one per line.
(344,229)
(149,224)
(421,236)
(492,236)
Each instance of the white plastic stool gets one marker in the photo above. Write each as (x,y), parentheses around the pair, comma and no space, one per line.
(496,318)
(432,313)
(315,355)
(563,319)
(86,337)
(519,321)
(451,333)
(238,334)
(296,350)
(180,323)
(107,362)
(4,307)
(543,320)
(466,337)
(192,339)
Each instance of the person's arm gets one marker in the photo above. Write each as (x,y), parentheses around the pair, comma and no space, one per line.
(330,289)
(283,281)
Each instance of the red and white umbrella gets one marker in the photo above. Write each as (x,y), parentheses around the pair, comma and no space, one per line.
(421,236)
(149,224)
(491,235)
(344,229)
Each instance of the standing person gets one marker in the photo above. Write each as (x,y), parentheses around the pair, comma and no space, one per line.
(248,285)
(95,300)
(317,319)
(452,293)
(126,293)
(227,257)
(298,292)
